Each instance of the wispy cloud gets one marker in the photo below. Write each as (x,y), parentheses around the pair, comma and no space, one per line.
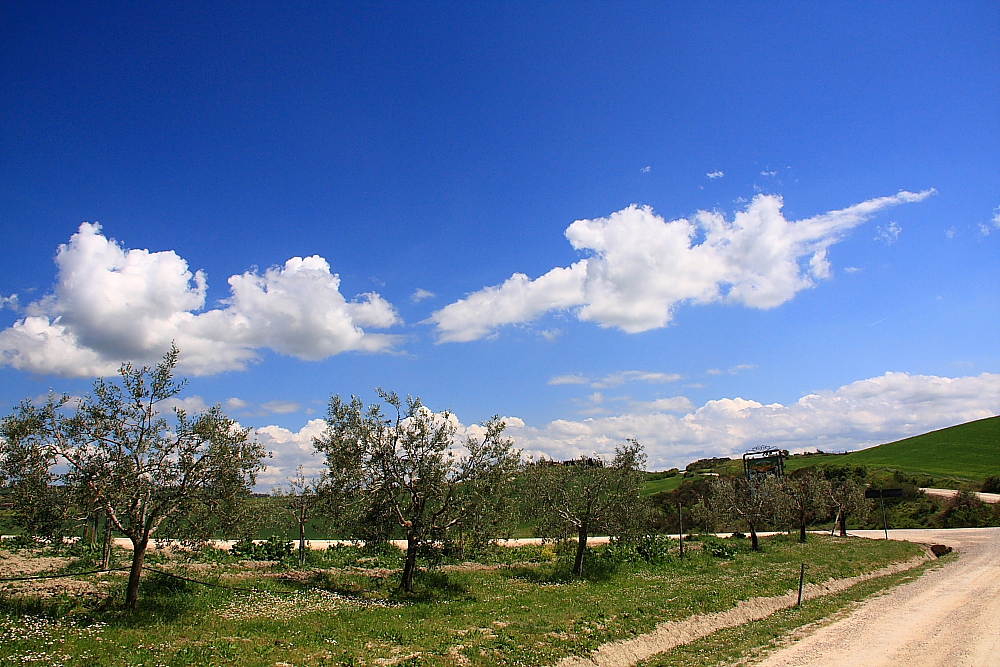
(420,294)
(275,407)
(888,234)
(551,335)
(569,379)
(867,412)
(639,267)
(280,407)
(616,379)
(768,173)
(852,269)
(985,229)
(715,174)
(674,432)
(645,170)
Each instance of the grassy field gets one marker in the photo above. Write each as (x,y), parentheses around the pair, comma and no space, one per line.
(970,451)
(664,484)
(343,609)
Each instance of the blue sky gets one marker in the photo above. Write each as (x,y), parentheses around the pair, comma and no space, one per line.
(811,258)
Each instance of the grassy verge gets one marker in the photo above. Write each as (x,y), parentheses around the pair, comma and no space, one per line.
(529,613)
(754,641)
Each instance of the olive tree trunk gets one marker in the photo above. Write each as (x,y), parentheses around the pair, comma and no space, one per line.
(135,572)
(409,565)
(581,549)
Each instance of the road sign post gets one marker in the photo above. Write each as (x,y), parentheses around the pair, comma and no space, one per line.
(882,494)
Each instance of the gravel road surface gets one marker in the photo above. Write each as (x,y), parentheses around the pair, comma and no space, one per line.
(948,617)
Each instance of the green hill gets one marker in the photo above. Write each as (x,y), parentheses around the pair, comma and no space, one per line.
(970,451)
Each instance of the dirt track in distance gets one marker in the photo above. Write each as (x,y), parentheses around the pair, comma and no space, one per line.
(949,616)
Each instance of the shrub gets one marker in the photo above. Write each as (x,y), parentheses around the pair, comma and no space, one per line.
(274,549)
(720,548)
(991,484)
(15,542)
(965,510)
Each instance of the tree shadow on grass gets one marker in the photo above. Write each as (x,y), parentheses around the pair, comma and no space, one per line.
(161,599)
(561,571)
(434,586)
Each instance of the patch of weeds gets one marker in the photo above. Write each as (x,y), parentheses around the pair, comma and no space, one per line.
(377,556)
(210,554)
(273,549)
(349,583)
(19,542)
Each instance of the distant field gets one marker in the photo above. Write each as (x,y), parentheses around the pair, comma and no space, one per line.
(658,485)
(970,451)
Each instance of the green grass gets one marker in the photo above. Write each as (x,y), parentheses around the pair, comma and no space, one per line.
(657,485)
(751,641)
(970,451)
(517,614)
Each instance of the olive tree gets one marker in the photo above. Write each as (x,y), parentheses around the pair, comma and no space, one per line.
(301,499)
(400,468)
(804,498)
(141,469)
(40,507)
(752,501)
(847,497)
(591,495)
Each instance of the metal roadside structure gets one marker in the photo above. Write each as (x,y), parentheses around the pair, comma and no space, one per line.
(762,461)
(882,494)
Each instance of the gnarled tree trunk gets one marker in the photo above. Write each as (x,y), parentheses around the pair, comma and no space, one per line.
(581,549)
(409,565)
(138,558)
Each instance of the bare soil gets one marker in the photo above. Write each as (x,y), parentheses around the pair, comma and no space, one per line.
(28,563)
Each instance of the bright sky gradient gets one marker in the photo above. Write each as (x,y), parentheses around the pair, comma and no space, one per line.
(704,226)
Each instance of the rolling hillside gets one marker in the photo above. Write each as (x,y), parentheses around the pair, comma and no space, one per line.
(970,451)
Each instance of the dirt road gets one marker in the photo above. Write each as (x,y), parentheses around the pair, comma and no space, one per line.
(950,616)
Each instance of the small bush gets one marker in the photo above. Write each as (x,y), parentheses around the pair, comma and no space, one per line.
(991,484)
(16,542)
(719,548)
(274,549)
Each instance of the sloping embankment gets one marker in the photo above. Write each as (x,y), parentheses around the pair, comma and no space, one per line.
(671,634)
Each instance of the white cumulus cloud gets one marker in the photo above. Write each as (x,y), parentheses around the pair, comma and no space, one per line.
(639,267)
(857,415)
(715,174)
(111,304)
(675,432)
